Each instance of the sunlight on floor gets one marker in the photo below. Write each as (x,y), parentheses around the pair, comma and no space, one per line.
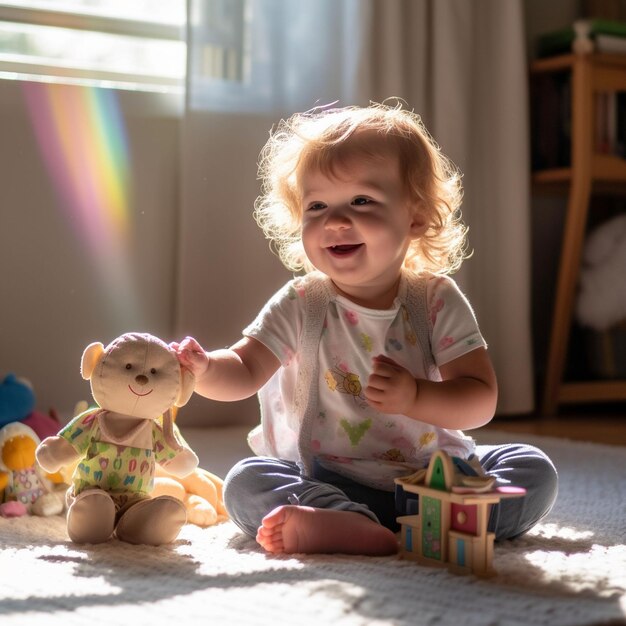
(43,568)
(550,531)
(578,563)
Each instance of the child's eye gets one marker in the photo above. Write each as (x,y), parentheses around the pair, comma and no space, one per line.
(316,206)
(361,200)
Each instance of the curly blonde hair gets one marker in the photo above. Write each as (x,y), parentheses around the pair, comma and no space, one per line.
(323,140)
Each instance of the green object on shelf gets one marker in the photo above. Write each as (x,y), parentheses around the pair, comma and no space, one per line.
(560,41)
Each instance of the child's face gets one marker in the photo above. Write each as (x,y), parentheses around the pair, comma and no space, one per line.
(357,225)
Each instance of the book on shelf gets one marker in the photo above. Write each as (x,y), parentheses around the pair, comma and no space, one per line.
(610,44)
(610,117)
(584,36)
(551,122)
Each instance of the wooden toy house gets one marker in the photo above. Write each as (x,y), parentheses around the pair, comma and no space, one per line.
(447,515)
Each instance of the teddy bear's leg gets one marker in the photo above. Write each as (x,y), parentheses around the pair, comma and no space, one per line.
(153,521)
(91,517)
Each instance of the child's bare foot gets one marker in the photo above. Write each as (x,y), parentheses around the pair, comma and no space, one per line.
(303,529)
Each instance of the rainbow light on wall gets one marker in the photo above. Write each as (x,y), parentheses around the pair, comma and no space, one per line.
(82,138)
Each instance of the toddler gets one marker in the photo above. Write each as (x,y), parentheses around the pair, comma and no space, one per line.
(373,358)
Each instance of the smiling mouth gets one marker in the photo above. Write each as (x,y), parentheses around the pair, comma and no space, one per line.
(344,249)
(140,394)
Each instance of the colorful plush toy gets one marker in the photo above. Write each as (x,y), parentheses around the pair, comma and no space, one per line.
(17,399)
(135,380)
(17,404)
(24,487)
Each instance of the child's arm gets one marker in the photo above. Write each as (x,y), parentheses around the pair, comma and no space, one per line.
(464,399)
(230,374)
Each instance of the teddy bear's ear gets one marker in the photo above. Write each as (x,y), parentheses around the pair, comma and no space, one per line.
(91,356)
(187,384)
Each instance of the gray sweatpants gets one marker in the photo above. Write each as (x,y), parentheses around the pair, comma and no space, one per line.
(257,485)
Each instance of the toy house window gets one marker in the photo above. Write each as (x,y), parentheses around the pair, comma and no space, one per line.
(460,552)
(464,518)
(128,44)
(408,539)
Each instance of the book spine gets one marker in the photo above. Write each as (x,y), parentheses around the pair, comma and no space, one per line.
(620,140)
(551,121)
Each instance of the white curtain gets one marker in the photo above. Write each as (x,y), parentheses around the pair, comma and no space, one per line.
(460,63)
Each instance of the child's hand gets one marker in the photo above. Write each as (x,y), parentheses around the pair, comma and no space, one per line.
(391,388)
(192,356)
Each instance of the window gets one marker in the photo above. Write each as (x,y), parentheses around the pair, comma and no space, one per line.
(222,53)
(129,44)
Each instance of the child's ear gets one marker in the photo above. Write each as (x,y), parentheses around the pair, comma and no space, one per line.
(418,223)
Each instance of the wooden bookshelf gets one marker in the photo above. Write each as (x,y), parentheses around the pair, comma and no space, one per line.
(605,168)
(587,173)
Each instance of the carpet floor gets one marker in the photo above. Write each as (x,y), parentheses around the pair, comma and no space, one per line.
(569,570)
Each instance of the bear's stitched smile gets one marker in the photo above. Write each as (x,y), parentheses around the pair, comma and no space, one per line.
(140,394)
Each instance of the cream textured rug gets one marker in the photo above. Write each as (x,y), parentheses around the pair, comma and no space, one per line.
(570,570)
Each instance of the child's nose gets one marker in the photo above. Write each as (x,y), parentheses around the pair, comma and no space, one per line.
(337,220)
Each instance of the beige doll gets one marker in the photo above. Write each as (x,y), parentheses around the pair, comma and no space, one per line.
(201,492)
(135,380)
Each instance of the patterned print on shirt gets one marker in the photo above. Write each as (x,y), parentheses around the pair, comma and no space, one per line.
(341,380)
(427,438)
(356,432)
(393,454)
(393,344)
(366,342)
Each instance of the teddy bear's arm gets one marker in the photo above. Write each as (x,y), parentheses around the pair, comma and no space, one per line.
(183,463)
(55,452)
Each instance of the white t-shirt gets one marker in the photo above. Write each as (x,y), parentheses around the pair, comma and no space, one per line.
(349,436)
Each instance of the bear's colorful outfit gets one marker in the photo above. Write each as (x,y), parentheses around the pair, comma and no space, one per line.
(111,464)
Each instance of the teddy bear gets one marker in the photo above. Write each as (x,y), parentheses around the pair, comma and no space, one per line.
(115,446)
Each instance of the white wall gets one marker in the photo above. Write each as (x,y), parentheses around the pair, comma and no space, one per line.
(226,266)
(53,300)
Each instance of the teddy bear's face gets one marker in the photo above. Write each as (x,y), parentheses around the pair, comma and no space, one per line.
(136,377)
